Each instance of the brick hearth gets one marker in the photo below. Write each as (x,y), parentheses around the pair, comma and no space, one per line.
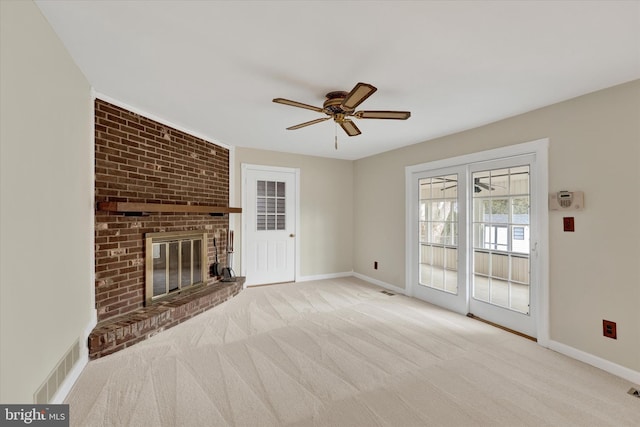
(118,333)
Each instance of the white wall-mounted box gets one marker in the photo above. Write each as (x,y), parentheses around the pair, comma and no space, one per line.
(566,201)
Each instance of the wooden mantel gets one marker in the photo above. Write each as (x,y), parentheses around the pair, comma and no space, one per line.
(134,207)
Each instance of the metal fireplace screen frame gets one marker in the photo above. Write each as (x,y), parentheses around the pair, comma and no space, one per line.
(174,261)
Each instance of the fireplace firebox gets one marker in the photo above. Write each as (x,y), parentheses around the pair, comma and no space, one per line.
(174,261)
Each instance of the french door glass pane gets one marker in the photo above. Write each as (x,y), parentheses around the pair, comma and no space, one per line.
(438,232)
(500,233)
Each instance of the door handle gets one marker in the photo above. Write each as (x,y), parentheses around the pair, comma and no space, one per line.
(292,235)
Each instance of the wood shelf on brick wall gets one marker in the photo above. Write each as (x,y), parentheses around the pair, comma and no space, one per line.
(145,208)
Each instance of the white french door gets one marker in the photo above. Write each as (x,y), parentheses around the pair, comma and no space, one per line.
(501,226)
(441,216)
(474,227)
(269,224)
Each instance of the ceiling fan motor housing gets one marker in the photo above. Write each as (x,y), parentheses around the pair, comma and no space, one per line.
(333,104)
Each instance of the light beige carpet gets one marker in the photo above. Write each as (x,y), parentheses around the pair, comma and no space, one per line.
(341,353)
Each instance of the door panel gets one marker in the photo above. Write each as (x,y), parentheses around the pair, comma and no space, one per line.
(500,286)
(438,220)
(269,223)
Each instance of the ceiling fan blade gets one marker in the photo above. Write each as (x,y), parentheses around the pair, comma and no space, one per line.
(312,122)
(393,115)
(297,104)
(443,179)
(451,186)
(358,94)
(350,128)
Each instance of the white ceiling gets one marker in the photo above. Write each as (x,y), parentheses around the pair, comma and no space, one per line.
(213,67)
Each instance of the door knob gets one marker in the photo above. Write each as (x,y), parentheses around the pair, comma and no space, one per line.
(292,235)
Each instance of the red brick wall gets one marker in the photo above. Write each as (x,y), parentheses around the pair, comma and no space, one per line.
(140,160)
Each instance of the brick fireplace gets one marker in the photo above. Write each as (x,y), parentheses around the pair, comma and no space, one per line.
(141,161)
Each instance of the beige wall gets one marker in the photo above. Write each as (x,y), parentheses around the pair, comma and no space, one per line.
(326,208)
(594,274)
(46,203)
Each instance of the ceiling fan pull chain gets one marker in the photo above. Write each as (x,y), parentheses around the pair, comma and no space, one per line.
(336,137)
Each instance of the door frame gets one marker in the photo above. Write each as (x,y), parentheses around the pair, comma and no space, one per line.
(540,241)
(245,167)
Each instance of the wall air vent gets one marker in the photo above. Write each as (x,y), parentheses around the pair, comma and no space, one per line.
(52,384)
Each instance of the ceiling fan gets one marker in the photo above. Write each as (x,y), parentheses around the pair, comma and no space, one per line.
(477,186)
(340,106)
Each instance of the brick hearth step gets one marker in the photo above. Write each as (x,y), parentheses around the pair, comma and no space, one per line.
(124,331)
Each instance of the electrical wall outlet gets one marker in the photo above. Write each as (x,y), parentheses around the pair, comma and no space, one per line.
(568,224)
(609,329)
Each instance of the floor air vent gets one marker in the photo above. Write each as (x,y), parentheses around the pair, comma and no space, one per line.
(387,293)
(634,392)
(48,389)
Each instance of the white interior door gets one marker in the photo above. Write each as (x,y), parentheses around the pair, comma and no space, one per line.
(269,224)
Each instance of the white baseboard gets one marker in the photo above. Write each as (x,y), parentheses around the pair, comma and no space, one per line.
(324,276)
(74,374)
(598,362)
(380,283)
(371,280)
